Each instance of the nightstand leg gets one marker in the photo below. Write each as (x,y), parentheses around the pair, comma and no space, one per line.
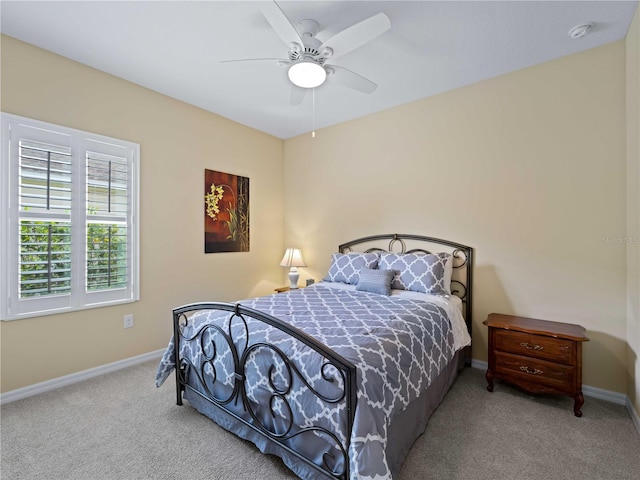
(578,401)
(489,377)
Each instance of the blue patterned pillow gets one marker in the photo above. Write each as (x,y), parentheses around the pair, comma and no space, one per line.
(375,281)
(345,267)
(420,272)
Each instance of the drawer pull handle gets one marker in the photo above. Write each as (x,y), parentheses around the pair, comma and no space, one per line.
(531,371)
(531,347)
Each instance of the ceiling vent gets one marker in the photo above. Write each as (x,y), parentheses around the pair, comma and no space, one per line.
(580,31)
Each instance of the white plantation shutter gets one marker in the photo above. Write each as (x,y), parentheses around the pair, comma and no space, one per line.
(44,260)
(68,209)
(45,177)
(107,182)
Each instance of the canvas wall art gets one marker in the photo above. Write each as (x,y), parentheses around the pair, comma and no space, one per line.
(226,212)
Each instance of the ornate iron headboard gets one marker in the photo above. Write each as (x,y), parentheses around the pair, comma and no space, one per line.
(461,281)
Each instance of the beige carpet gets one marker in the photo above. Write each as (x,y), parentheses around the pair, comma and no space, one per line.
(120,426)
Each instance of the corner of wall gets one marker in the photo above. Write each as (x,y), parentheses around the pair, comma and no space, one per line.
(632,47)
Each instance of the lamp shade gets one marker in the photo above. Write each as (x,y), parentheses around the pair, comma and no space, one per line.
(292,258)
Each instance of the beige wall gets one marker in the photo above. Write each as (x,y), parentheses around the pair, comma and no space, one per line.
(177,142)
(528,168)
(633,208)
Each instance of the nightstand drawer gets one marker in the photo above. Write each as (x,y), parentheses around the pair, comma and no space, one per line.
(527,369)
(547,348)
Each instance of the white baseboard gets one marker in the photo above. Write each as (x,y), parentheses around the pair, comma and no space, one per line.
(42,387)
(634,415)
(594,392)
(479,364)
(608,395)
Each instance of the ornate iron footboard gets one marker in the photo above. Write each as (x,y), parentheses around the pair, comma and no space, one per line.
(236,338)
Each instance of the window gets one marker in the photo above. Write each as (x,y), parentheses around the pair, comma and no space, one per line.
(68,211)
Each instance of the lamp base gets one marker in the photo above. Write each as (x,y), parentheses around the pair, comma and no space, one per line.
(293,278)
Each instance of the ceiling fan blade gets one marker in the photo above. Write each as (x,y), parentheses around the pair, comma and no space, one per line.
(257,60)
(297,95)
(280,23)
(357,35)
(349,79)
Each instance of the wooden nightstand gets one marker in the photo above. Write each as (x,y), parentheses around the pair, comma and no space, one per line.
(538,356)
(284,289)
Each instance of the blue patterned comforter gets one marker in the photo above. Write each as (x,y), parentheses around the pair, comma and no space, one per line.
(398,346)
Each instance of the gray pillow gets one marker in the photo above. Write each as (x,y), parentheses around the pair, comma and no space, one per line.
(345,267)
(420,272)
(375,281)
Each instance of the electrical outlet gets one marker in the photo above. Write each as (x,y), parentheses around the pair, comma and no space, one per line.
(128,321)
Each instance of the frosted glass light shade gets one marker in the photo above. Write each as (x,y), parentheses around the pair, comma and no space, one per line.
(307,74)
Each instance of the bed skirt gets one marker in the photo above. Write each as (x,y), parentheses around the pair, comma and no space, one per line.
(404,429)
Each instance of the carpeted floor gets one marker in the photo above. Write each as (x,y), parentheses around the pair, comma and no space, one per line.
(120,427)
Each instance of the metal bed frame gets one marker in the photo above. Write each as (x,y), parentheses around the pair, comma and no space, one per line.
(338,373)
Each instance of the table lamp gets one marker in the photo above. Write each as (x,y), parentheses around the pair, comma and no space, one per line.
(293,259)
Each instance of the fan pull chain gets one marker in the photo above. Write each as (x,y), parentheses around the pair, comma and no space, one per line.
(313,113)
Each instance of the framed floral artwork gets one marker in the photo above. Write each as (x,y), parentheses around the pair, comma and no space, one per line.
(226,212)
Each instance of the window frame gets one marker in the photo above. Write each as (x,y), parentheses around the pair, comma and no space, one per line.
(82,144)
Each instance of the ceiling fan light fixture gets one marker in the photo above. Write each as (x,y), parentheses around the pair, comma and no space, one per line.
(307,74)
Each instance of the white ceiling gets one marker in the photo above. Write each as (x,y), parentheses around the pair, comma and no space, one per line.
(175,47)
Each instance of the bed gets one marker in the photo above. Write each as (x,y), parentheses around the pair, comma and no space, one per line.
(338,378)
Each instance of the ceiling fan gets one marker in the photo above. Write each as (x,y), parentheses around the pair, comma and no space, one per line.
(307,56)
